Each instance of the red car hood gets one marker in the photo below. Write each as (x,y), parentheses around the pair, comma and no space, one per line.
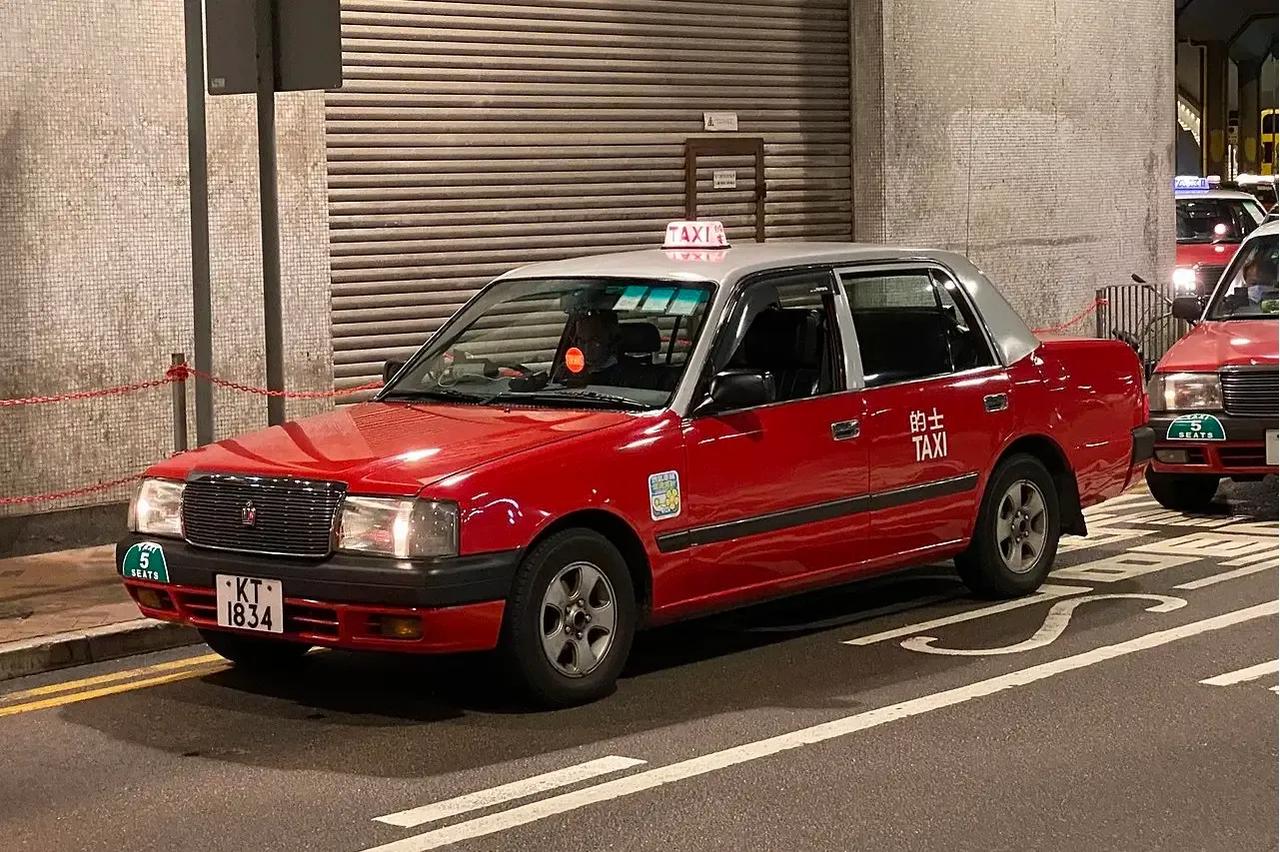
(1212,254)
(1230,343)
(390,448)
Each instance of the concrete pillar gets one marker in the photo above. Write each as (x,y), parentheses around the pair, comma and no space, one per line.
(1216,103)
(1250,78)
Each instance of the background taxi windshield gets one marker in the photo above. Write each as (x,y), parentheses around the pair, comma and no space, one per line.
(1207,220)
(1249,290)
(555,341)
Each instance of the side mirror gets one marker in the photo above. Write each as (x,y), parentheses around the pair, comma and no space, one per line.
(734,389)
(389,369)
(1187,308)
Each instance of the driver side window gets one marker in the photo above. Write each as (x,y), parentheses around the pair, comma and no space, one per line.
(784,325)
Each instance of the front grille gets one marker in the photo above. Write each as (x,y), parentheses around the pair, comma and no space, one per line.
(309,619)
(1207,275)
(1243,456)
(1251,393)
(289,517)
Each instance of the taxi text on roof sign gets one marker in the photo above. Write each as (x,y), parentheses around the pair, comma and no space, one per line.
(695,235)
(1190,182)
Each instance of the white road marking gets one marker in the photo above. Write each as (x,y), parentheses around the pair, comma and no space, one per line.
(1120,566)
(658,776)
(1192,585)
(1055,622)
(1241,675)
(509,792)
(1047,592)
(1100,537)
(1220,544)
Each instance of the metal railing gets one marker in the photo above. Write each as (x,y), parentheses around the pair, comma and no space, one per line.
(1139,314)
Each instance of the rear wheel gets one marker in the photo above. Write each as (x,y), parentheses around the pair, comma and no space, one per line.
(251,652)
(1016,537)
(1182,492)
(570,619)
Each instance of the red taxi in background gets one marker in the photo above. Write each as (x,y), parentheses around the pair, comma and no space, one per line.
(1214,395)
(594,445)
(1211,223)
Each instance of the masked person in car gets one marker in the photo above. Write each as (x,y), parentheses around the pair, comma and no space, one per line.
(597,339)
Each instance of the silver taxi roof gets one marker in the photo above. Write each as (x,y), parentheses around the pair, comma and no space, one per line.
(1214,194)
(1013,338)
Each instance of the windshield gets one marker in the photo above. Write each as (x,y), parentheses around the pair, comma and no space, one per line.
(1217,220)
(1248,290)
(593,342)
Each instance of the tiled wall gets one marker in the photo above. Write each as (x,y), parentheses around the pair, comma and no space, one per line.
(1035,136)
(95,259)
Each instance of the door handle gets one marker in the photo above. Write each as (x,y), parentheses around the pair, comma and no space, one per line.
(843,430)
(994,402)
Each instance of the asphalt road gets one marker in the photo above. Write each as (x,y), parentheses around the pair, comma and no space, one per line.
(1077,719)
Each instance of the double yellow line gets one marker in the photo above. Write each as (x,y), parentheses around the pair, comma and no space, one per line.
(97,686)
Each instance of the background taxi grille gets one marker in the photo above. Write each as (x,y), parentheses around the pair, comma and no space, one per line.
(1207,275)
(292,517)
(1251,393)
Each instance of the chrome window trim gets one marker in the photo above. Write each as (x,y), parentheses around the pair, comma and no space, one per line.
(727,296)
(926,266)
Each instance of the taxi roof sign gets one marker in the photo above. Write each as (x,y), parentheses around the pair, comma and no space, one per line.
(1190,182)
(696,235)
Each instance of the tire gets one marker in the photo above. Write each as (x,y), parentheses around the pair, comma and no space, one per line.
(1183,492)
(574,579)
(1015,540)
(251,652)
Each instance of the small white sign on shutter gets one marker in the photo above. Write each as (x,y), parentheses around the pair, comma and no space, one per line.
(713,121)
(724,179)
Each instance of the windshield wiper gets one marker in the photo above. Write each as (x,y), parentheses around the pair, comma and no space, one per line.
(573,396)
(434,393)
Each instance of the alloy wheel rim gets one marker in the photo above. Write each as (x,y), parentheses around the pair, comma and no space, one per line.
(577,619)
(1022,528)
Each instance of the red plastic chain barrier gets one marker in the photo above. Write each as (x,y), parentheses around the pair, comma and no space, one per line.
(286,394)
(72,492)
(1074,321)
(180,373)
(176,373)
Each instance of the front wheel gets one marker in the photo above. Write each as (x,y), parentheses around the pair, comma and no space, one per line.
(1016,537)
(251,652)
(570,619)
(1182,492)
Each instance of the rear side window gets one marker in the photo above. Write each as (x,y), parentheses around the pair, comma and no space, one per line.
(913,325)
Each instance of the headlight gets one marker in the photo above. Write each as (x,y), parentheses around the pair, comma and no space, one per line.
(1185,392)
(1184,279)
(157,510)
(400,528)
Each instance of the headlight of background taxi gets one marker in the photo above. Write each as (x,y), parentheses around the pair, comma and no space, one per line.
(399,528)
(1184,279)
(157,508)
(1185,392)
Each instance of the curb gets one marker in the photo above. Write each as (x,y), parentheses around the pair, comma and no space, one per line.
(62,650)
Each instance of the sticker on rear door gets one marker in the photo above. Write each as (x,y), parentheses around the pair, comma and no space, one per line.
(929,434)
(145,561)
(664,495)
(1196,427)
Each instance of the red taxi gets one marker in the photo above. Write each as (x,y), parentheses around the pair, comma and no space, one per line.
(592,446)
(1214,395)
(1211,223)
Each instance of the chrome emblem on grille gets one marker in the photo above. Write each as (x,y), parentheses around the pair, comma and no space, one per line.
(248,514)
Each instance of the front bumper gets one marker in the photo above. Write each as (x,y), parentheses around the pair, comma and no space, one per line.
(1243,451)
(340,601)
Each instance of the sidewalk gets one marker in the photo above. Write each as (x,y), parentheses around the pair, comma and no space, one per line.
(67,608)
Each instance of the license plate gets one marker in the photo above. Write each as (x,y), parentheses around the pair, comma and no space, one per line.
(1273,446)
(250,603)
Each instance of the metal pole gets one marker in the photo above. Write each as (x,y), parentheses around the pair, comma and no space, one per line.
(272,320)
(198,176)
(179,406)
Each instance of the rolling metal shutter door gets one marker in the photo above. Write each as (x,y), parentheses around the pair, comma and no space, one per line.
(471,138)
